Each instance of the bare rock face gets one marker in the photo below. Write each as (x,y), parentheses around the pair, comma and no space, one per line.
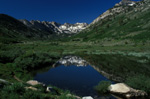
(125,91)
(118,8)
(54,26)
(72,28)
(127,2)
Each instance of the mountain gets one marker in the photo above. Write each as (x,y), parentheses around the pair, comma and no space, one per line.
(55,27)
(118,8)
(73,28)
(12,28)
(127,22)
(127,3)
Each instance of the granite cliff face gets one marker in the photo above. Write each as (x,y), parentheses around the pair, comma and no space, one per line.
(127,2)
(73,28)
(55,27)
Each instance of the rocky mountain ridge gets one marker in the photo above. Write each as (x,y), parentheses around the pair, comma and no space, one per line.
(127,3)
(121,16)
(118,8)
(126,23)
(54,26)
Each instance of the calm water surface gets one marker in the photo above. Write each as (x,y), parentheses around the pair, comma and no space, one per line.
(79,80)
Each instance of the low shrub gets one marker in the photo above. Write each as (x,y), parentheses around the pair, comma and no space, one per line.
(18,91)
(32,61)
(9,56)
(66,95)
(102,87)
(6,95)
(33,95)
(140,82)
(14,88)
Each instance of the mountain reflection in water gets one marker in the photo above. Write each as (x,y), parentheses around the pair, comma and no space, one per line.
(78,79)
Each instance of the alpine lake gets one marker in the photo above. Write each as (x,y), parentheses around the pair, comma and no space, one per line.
(74,74)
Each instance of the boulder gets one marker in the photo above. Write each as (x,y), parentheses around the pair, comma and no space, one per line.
(33,82)
(119,88)
(4,81)
(51,89)
(125,91)
(31,88)
(87,97)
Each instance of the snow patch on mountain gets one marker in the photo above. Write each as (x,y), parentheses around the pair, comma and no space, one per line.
(55,27)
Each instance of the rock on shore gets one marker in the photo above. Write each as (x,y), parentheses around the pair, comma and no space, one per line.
(125,91)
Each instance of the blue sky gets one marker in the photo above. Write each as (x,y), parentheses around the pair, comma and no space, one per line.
(70,11)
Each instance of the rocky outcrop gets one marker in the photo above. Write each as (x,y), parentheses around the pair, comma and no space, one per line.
(127,92)
(72,28)
(119,88)
(33,82)
(46,88)
(31,88)
(54,26)
(127,2)
(87,97)
(118,8)
(72,60)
